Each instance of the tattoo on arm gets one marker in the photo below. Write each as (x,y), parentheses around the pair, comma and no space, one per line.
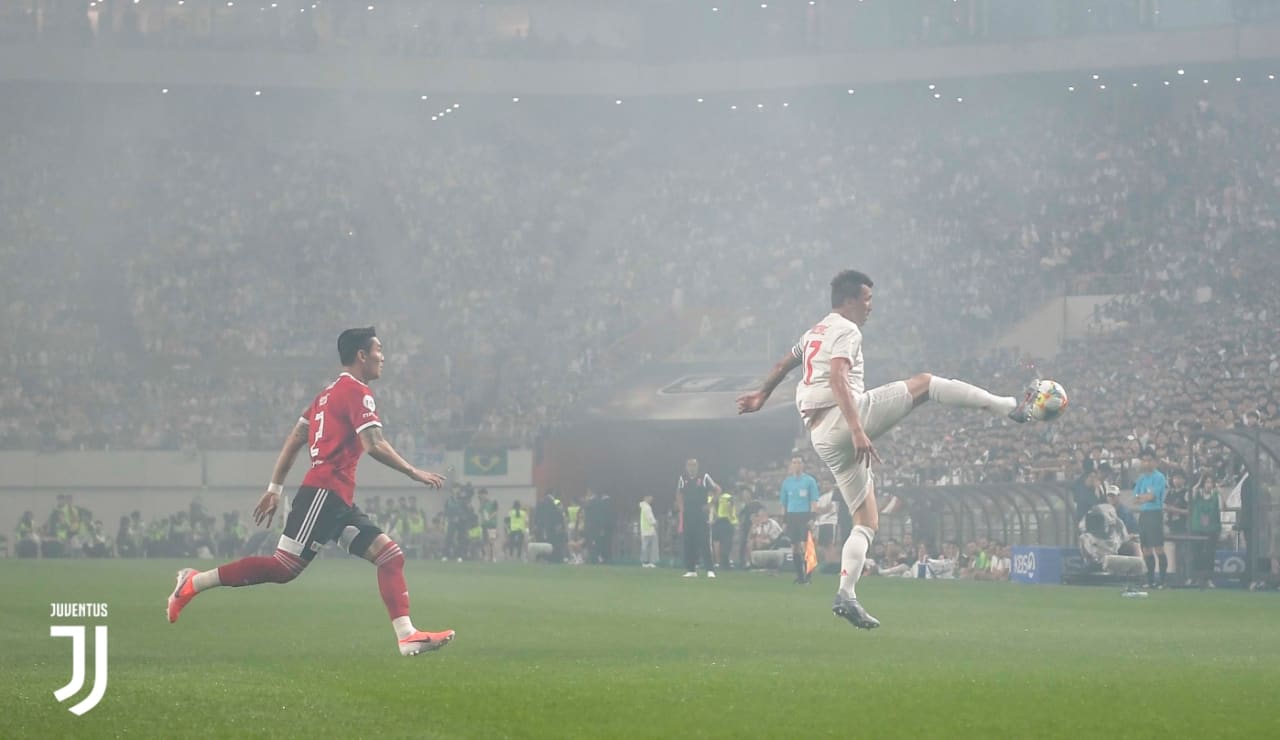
(372,437)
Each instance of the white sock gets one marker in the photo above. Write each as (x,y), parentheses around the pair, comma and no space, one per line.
(206,580)
(403,627)
(853,557)
(959,393)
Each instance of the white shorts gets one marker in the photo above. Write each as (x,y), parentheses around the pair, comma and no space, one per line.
(880,409)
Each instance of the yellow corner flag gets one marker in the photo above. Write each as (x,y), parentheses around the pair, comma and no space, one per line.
(810,555)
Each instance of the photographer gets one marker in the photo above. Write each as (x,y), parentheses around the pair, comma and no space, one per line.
(766,533)
(1102,534)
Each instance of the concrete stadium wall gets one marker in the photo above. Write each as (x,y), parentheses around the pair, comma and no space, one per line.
(534,77)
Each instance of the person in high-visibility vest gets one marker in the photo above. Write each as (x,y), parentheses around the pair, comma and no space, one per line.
(517,525)
(489,526)
(722,529)
(416,522)
(573,518)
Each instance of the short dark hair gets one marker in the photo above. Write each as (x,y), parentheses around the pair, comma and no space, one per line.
(1149,452)
(848,284)
(352,341)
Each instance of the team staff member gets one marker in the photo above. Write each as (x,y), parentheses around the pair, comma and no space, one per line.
(1150,492)
(693,490)
(488,526)
(799,494)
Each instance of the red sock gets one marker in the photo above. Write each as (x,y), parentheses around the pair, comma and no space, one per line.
(279,568)
(395,594)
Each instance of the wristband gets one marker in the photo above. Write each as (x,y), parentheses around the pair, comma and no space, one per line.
(275,488)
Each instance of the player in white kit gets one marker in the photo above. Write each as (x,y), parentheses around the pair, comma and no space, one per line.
(843,417)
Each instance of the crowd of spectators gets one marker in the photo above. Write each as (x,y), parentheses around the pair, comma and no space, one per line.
(650,32)
(192,268)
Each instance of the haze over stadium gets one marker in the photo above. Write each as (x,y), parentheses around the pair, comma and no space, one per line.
(563,243)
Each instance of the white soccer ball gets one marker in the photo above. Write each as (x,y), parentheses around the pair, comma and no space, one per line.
(1049,402)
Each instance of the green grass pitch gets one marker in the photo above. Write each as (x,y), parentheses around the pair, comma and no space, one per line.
(622,652)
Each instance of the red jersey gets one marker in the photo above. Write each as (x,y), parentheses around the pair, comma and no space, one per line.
(335,419)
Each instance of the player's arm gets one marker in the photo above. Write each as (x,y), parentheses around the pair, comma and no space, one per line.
(715,487)
(864,451)
(293,444)
(755,401)
(270,501)
(374,443)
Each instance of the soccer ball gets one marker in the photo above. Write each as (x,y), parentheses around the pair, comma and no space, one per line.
(1049,401)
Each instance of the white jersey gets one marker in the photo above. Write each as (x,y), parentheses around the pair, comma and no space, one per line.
(834,336)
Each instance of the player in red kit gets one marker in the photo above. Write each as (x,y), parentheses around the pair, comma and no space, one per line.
(340,424)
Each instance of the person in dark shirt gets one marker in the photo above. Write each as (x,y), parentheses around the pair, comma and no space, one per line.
(598,511)
(1087,493)
(549,526)
(692,496)
(1176,504)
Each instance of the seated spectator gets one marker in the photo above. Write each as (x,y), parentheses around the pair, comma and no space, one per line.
(929,568)
(1002,563)
(766,533)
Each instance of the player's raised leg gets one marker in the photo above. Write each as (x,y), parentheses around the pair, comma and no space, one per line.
(889,404)
(949,392)
(379,549)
